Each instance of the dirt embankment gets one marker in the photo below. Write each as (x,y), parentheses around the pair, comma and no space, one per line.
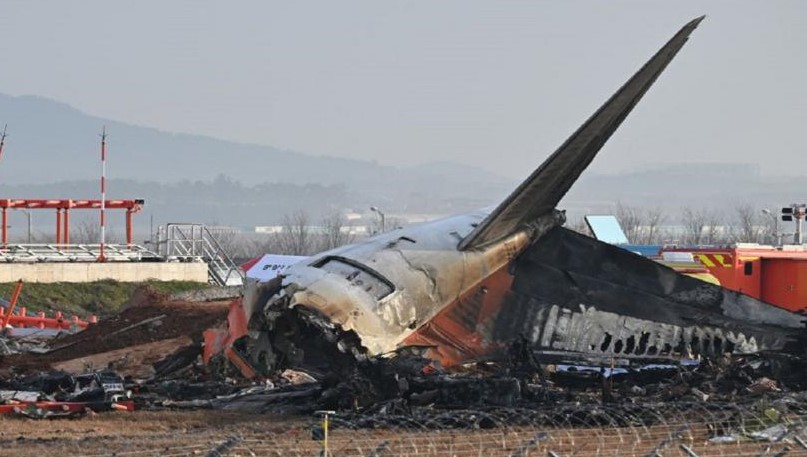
(149,317)
(101,298)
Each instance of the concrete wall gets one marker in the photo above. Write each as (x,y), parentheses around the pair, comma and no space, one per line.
(119,271)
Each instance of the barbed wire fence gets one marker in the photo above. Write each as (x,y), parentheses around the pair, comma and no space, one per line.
(776,428)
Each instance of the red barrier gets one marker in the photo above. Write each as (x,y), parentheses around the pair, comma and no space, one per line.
(69,406)
(14,297)
(22,320)
(58,321)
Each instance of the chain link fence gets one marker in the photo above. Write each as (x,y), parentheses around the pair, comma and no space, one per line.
(763,428)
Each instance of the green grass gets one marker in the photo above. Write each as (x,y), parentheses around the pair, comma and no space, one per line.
(101,298)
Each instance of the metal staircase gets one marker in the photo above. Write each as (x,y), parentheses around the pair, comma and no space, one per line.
(195,243)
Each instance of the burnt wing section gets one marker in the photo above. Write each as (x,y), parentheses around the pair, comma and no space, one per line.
(574,293)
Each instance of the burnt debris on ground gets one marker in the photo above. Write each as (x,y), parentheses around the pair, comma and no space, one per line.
(149,328)
(154,346)
(153,336)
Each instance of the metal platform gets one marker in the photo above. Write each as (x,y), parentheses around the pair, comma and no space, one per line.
(30,253)
(175,243)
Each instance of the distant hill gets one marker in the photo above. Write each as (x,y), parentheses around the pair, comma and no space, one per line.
(51,141)
(53,152)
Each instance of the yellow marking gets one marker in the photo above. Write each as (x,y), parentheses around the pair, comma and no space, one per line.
(704,259)
(722,259)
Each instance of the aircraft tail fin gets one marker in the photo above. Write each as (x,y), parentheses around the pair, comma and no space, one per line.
(544,188)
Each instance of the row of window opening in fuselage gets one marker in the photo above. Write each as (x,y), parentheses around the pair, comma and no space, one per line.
(630,346)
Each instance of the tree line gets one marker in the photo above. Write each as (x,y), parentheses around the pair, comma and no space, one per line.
(742,223)
(304,235)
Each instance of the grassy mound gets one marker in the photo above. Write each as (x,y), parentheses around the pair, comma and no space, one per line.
(101,298)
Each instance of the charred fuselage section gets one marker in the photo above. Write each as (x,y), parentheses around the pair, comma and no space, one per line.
(575,294)
(565,295)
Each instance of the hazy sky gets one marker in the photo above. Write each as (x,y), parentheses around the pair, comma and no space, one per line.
(496,84)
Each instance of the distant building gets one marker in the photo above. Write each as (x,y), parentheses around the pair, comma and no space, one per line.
(269,229)
(358,230)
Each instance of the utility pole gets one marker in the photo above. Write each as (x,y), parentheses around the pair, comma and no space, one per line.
(5,221)
(27,215)
(777,235)
(796,212)
(3,140)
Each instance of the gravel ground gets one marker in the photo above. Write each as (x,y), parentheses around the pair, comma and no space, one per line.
(169,433)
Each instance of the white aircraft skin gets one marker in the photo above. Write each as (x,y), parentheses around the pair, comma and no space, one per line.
(421,262)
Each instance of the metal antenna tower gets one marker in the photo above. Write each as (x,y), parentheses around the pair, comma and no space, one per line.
(3,139)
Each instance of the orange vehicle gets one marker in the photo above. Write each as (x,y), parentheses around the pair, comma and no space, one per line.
(774,275)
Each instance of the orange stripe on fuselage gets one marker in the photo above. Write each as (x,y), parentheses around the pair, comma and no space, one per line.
(456,332)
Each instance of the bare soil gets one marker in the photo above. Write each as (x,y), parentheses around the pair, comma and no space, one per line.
(181,319)
(200,432)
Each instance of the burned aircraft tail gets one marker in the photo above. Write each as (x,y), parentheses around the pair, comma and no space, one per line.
(539,193)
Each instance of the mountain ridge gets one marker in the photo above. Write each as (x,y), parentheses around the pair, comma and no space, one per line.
(51,127)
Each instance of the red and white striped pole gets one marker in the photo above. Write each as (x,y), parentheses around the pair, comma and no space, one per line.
(102,257)
(5,223)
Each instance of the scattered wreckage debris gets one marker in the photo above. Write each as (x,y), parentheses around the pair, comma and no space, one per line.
(402,383)
(149,329)
(712,403)
(58,394)
(733,398)
(152,337)
(31,344)
(398,385)
(21,332)
(136,361)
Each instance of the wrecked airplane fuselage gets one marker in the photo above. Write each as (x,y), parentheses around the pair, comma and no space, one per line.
(387,288)
(565,293)
(467,286)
